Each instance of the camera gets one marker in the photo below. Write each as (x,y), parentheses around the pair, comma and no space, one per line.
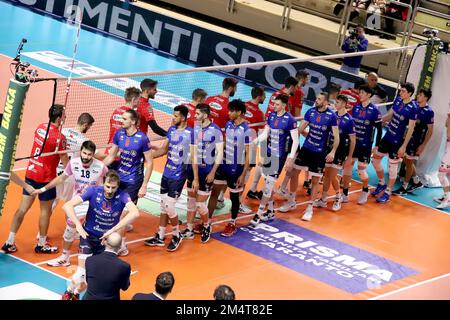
(353,34)
(430,32)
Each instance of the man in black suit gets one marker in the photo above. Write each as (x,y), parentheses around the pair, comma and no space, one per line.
(106,274)
(163,286)
(224,292)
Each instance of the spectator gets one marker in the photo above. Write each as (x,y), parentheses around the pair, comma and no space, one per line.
(106,274)
(224,292)
(394,11)
(355,42)
(163,286)
(377,8)
(380,94)
(357,6)
(333,92)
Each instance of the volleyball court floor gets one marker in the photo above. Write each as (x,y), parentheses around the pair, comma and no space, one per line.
(394,251)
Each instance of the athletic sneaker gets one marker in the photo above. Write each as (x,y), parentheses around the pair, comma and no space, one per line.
(400,191)
(363,197)
(414,186)
(62,261)
(255,221)
(444,204)
(288,206)
(244,209)
(155,241)
(9,248)
(206,234)
(308,214)
(47,248)
(439,199)
(344,198)
(282,192)
(268,216)
(123,251)
(67,295)
(230,230)
(320,203)
(198,228)
(378,190)
(254,195)
(187,234)
(174,243)
(385,197)
(220,204)
(337,204)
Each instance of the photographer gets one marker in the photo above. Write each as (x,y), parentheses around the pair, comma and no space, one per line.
(355,42)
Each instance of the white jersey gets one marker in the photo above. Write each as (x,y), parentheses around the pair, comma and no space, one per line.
(74,140)
(84,177)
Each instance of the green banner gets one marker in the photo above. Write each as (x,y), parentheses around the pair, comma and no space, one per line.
(429,64)
(9,133)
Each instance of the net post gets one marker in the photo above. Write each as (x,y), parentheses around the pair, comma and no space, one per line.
(9,133)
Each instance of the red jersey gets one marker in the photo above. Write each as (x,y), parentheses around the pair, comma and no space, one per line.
(353,98)
(297,100)
(115,122)
(254,115)
(145,111)
(191,115)
(219,110)
(270,107)
(43,169)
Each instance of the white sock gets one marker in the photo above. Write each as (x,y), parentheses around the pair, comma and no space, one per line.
(416,179)
(291,196)
(324,196)
(66,254)
(260,210)
(190,226)
(11,238)
(381,181)
(175,231)
(123,242)
(284,183)
(405,184)
(256,178)
(270,205)
(220,197)
(162,232)
(42,240)
(388,190)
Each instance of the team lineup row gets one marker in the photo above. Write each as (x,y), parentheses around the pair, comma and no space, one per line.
(210,161)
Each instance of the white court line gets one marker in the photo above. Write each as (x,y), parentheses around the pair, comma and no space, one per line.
(409,287)
(34,265)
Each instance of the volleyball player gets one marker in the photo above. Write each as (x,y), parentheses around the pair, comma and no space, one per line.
(280,126)
(178,146)
(145,109)
(313,155)
(107,203)
(401,120)
(85,171)
(40,171)
(366,118)
(198,96)
(289,88)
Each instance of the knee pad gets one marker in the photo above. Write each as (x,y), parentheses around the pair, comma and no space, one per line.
(170,207)
(393,168)
(362,171)
(191,204)
(202,208)
(269,183)
(162,204)
(377,164)
(443,179)
(70,233)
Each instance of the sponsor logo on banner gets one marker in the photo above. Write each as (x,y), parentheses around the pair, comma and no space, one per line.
(323,258)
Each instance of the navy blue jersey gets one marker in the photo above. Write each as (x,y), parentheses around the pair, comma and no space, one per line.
(236,138)
(320,129)
(178,155)
(365,119)
(425,116)
(131,151)
(103,214)
(205,140)
(396,128)
(279,135)
(346,128)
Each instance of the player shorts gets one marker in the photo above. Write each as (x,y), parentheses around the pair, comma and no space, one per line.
(362,154)
(274,166)
(132,188)
(44,196)
(339,157)
(91,245)
(388,148)
(314,162)
(204,188)
(228,179)
(411,149)
(172,188)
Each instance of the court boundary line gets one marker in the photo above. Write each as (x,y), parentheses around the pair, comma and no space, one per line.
(410,287)
(38,266)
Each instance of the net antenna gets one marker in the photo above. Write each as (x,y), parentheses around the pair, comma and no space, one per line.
(75,18)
